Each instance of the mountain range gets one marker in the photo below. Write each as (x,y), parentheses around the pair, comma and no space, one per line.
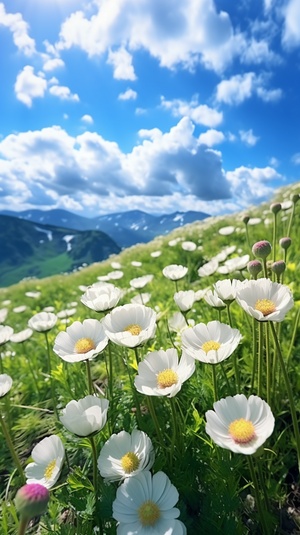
(37,243)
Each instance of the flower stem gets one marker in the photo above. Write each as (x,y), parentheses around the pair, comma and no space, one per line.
(214,376)
(260,508)
(268,361)
(23,525)
(254,349)
(155,420)
(235,361)
(11,448)
(95,472)
(289,391)
(50,375)
(260,357)
(89,377)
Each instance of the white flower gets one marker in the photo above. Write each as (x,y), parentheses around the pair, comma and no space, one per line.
(185,299)
(174,272)
(212,299)
(81,341)
(130,325)
(48,456)
(5,384)
(140,282)
(178,324)
(239,424)
(210,343)
(237,263)
(144,505)
(21,336)
(254,221)
(20,309)
(33,295)
(141,299)
(114,275)
(227,288)
(116,265)
(189,246)
(101,297)
(85,416)
(199,294)
(42,321)
(265,300)
(125,455)
(66,313)
(155,254)
(5,334)
(3,314)
(160,373)
(226,231)
(136,263)
(209,268)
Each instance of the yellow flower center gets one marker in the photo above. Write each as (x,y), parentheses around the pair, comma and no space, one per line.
(130,462)
(134,329)
(148,513)
(83,345)
(242,431)
(210,345)
(49,470)
(265,306)
(167,378)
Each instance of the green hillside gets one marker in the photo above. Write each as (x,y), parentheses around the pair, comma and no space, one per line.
(221,492)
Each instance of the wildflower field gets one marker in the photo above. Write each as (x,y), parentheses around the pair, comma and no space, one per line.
(157,392)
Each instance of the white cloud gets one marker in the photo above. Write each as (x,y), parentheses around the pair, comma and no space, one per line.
(243,86)
(63,93)
(291,29)
(29,85)
(19,29)
(175,34)
(199,113)
(296,158)
(121,61)
(211,137)
(129,94)
(248,137)
(252,184)
(87,119)
(53,63)
(258,52)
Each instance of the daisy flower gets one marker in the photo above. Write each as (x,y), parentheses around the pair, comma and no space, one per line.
(185,299)
(161,374)
(239,424)
(48,456)
(21,336)
(5,384)
(209,268)
(139,282)
(265,300)
(174,272)
(101,296)
(42,321)
(144,504)
(85,416)
(125,455)
(210,343)
(5,334)
(226,289)
(130,325)
(81,341)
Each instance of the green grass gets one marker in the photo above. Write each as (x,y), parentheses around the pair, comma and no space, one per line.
(213,484)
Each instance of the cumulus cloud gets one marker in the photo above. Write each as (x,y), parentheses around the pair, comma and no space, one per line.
(291,29)
(175,34)
(121,61)
(87,119)
(253,183)
(63,92)
(211,137)
(129,94)
(248,137)
(199,113)
(19,29)
(29,85)
(241,87)
(53,63)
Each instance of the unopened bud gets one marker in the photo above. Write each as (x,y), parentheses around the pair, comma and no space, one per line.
(31,500)
(275,207)
(295,198)
(246,219)
(262,249)
(285,242)
(278,267)
(254,267)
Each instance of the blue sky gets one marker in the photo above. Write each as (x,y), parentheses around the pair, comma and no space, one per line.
(156,105)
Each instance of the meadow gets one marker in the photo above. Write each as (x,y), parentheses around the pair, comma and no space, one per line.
(156,392)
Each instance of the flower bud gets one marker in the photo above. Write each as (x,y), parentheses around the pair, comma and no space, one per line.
(31,500)
(295,198)
(262,249)
(275,207)
(254,267)
(278,267)
(285,242)
(246,219)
